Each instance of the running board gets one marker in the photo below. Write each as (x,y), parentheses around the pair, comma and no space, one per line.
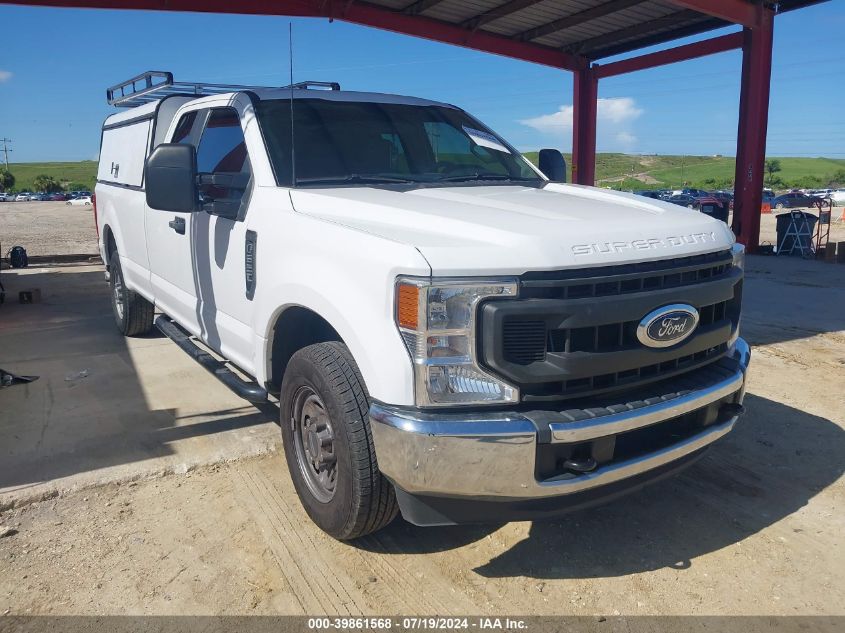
(246,390)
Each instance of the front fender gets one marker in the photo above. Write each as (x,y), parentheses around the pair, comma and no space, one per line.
(346,277)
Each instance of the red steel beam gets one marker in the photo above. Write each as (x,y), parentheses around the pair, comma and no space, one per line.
(751,132)
(736,11)
(671,56)
(585,104)
(355,12)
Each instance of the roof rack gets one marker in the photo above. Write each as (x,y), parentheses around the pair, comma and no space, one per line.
(157,84)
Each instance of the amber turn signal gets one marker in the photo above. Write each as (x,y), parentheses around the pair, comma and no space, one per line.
(407,306)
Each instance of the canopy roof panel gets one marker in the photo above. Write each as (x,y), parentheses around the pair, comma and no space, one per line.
(562,33)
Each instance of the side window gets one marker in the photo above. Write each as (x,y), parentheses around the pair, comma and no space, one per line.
(184,127)
(223,164)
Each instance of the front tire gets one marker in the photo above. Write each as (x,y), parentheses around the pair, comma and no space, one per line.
(132,313)
(328,444)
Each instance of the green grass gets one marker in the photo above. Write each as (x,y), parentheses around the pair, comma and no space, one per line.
(613,170)
(83,172)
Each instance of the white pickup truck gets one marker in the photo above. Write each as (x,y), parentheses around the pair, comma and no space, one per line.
(451,333)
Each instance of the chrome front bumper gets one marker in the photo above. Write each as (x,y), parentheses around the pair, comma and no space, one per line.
(492,455)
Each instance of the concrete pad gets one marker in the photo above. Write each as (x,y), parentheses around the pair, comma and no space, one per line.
(105,408)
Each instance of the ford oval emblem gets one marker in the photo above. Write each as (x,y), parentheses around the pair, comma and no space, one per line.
(668,325)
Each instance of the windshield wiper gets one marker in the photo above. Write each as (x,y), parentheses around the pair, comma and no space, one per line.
(477,176)
(356,178)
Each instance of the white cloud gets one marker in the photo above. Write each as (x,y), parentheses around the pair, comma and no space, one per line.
(5,75)
(618,110)
(560,121)
(614,118)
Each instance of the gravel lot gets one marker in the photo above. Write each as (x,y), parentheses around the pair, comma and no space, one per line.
(48,228)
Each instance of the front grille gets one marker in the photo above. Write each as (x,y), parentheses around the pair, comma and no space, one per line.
(524,341)
(574,333)
(638,375)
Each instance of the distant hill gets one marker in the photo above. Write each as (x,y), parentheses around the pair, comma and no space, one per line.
(83,173)
(620,171)
(641,171)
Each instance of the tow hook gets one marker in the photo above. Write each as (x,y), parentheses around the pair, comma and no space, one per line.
(580,464)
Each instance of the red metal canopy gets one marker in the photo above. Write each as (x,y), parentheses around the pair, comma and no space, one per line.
(570,35)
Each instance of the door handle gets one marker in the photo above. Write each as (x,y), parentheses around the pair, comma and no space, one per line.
(178,225)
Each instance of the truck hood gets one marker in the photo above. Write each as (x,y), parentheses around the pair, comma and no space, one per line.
(512,229)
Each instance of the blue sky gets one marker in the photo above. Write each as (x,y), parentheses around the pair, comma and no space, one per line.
(55,65)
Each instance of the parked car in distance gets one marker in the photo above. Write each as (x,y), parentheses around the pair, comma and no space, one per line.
(725,197)
(23,196)
(820,193)
(57,197)
(6,197)
(649,194)
(792,200)
(707,204)
(682,199)
(713,207)
(78,202)
(838,197)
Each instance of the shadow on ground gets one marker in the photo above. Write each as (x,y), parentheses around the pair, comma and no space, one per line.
(775,461)
(90,408)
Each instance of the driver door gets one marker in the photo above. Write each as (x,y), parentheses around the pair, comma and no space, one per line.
(220,238)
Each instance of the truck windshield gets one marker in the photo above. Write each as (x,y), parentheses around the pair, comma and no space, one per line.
(365,143)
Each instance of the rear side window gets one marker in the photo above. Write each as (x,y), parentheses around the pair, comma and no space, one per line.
(184,127)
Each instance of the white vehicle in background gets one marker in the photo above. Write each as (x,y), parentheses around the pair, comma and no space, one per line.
(838,197)
(6,197)
(23,196)
(451,333)
(81,201)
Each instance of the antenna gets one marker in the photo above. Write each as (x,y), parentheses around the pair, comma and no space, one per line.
(292,142)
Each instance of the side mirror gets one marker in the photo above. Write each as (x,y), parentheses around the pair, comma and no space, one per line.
(553,165)
(170,178)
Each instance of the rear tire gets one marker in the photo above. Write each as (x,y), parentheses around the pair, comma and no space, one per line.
(328,444)
(132,313)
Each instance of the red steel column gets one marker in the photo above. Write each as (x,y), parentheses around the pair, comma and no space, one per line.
(751,134)
(585,103)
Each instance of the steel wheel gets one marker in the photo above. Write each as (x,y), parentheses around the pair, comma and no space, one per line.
(314,444)
(117,292)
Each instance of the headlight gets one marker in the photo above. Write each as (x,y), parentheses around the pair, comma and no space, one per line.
(437,320)
(738,252)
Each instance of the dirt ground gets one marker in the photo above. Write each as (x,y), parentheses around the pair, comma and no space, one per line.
(48,228)
(755,527)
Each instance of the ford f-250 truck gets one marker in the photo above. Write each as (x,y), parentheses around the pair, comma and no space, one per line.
(451,333)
